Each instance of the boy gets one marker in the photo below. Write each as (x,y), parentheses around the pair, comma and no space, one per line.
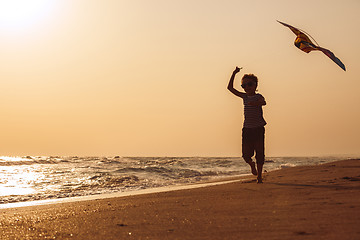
(253,131)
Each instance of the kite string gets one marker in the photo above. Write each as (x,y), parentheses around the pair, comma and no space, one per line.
(310,36)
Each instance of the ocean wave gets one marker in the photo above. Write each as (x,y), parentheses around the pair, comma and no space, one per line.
(58,177)
(30,162)
(108,181)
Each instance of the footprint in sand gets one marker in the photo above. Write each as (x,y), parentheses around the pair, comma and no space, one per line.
(352,178)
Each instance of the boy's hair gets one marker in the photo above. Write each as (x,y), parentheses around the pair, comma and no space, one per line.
(251,77)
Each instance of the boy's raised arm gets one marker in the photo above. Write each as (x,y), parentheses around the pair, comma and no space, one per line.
(231,84)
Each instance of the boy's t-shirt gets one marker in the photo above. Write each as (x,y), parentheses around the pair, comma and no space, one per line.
(253,114)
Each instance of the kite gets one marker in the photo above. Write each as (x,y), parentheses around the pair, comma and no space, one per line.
(304,43)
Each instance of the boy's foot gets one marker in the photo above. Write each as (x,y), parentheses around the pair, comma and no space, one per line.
(253,168)
(259,180)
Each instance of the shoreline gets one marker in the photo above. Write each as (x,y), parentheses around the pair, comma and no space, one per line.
(305,202)
(174,187)
(126,194)
(86,192)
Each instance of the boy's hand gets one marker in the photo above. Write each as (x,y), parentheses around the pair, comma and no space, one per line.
(237,69)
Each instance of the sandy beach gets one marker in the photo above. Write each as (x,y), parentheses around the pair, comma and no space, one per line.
(308,202)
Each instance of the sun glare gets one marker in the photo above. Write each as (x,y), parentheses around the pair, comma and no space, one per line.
(22,13)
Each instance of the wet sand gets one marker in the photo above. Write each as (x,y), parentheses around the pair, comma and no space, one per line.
(311,202)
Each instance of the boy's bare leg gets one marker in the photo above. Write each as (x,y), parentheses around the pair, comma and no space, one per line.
(253,168)
(259,171)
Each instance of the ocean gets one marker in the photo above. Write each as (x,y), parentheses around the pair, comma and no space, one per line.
(33,178)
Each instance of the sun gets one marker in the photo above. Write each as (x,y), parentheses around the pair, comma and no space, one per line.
(22,13)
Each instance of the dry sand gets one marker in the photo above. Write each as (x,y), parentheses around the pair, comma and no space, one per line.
(311,202)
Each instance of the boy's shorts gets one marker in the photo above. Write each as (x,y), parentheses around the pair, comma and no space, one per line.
(253,141)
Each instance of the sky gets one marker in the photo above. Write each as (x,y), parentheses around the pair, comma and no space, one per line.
(149,78)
